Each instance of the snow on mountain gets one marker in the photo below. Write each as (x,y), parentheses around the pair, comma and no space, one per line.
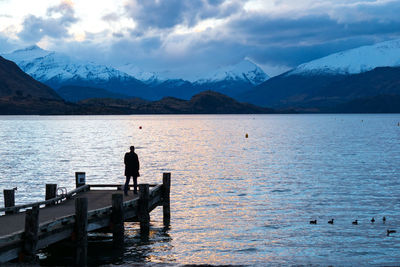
(28,54)
(242,71)
(150,78)
(47,65)
(358,60)
(58,70)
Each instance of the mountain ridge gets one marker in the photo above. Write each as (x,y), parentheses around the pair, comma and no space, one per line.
(15,82)
(207,102)
(324,82)
(57,70)
(353,61)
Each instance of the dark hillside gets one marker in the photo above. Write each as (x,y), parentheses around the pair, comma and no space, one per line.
(15,82)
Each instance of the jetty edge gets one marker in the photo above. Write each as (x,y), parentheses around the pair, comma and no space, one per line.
(63,215)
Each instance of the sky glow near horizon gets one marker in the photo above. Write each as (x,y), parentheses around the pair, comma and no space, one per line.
(180,36)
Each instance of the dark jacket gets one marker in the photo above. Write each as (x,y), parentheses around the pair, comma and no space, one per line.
(131,161)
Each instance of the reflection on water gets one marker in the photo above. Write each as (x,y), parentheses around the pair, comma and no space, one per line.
(234,200)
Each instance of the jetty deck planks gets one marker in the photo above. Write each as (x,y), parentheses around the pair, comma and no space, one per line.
(59,217)
(96,199)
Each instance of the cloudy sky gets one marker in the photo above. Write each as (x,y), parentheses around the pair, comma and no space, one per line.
(189,36)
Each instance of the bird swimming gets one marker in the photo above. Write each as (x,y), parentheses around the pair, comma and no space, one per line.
(355,222)
(388,232)
(313,222)
(331,221)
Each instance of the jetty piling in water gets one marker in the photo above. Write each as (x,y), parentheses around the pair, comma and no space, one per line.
(166,200)
(51,192)
(30,236)
(9,199)
(117,219)
(88,208)
(81,221)
(144,215)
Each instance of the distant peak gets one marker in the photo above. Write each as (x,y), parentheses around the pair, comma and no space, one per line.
(33,47)
(353,61)
(244,70)
(30,48)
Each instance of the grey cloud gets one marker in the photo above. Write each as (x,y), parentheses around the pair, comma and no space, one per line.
(159,14)
(141,49)
(268,39)
(65,9)
(310,29)
(291,41)
(110,17)
(5,44)
(287,39)
(167,14)
(35,28)
(367,10)
(293,55)
(118,35)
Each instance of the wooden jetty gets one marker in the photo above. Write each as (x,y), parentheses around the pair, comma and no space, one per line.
(70,216)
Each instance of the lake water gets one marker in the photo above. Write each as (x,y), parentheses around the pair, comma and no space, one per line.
(234,200)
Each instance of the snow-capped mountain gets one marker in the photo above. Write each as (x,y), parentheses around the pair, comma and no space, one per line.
(47,65)
(150,78)
(245,70)
(359,73)
(230,80)
(357,60)
(57,69)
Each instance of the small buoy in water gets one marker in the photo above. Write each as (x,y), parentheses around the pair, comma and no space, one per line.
(140,127)
(247,135)
(384,219)
(398,124)
(373,220)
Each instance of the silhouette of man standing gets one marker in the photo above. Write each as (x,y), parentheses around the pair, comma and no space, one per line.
(131,161)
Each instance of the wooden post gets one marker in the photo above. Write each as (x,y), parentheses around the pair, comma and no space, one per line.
(80,179)
(117,219)
(51,192)
(30,236)
(166,199)
(144,216)
(9,199)
(81,217)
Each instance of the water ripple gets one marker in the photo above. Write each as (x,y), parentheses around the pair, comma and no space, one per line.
(233,200)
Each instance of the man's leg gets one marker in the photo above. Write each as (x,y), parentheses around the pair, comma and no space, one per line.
(134,184)
(126,187)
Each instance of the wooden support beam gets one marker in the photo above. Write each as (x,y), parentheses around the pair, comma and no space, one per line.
(117,220)
(144,216)
(166,199)
(51,192)
(30,236)
(81,222)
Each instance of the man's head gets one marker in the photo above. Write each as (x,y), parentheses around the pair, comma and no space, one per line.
(132,148)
